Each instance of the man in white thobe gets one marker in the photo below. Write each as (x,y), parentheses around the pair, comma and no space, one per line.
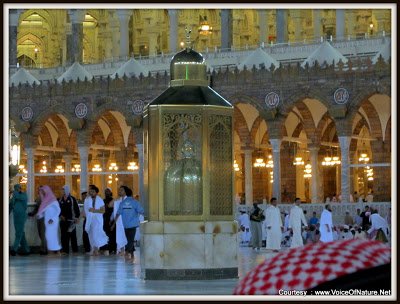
(378,223)
(94,210)
(326,225)
(274,226)
(296,218)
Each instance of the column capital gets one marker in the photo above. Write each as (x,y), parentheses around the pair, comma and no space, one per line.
(68,157)
(76,15)
(124,15)
(173,12)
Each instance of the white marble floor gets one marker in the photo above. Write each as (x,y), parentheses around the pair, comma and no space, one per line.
(111,275)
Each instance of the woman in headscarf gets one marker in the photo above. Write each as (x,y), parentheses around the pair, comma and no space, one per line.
(50,210)
(19,204)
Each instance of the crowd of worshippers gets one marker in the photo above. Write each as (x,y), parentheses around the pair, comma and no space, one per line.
(275,230)
(110,225)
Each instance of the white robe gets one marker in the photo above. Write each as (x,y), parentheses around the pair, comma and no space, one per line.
(119,226)
(137,234)
(244,220)
(378,222)
(94,223)
(296,218)
(52,212)
(274,233)
(326,219)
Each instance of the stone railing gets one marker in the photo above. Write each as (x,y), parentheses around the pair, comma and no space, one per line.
(216,58)
(338,209)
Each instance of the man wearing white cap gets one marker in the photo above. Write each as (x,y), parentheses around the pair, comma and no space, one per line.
(346,234)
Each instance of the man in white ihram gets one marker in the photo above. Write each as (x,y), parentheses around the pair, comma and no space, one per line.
(274,226)
(326,225)
(297,218)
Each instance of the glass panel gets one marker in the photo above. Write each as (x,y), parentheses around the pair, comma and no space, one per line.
(182,142)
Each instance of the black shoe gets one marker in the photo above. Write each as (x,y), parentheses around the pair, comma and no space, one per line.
(13,253)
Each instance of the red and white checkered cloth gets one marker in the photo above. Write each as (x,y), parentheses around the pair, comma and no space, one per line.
(306,267)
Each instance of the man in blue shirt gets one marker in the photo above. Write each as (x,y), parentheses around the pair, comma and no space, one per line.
(129,209)
(314,219)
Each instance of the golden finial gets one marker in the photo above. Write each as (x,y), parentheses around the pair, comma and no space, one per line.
(188,42)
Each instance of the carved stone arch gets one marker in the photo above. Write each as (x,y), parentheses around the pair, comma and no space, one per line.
(326,133)
(320,131)
(117,134)
(240,127)
(39,122)
(241,98)
(297,130)
(63,137)
(254,128)
(45,136)
(357,130)
(301,95)
(375,128)
(306,119)
(97,136)
(100,111)
(388,131)
(45,14)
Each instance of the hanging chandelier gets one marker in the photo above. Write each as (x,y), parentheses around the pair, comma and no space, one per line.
(235,166)
(113,167)
(308,170)
(370,173)
(259,163)
(363,158)
(270,162)
(76,168)
(59,169)
(44,168)
(133,166)
(271,174)
(204,28)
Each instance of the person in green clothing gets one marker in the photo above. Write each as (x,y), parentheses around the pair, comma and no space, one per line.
(18,205)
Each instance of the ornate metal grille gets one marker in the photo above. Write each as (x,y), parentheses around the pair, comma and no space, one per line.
(182,142)
(221,165)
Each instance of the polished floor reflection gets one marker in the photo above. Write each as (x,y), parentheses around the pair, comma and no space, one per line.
(111,275)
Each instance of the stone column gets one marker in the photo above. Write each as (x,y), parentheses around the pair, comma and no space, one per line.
(281,26)
(382,19)
(83,156)
(143,199)
(276,157)
(351,22)
(124,16)
(344,142)
(30,191)
(297,20)
(75,42)
(226,28)
(173,30)
(262,21)
(314,174)
(68,176)
(317,24)
(340,24)
(248,175)
(13,31)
